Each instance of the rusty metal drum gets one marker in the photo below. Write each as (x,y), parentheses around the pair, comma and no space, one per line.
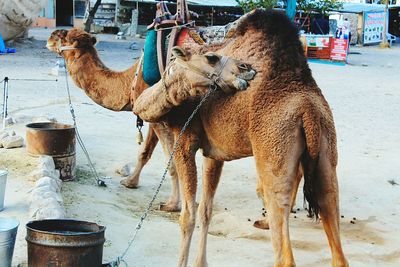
(64,243)
(56,140)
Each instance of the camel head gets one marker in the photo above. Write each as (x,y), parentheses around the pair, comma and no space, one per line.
(189,77)
(74,39)
(56,40)
(202,71)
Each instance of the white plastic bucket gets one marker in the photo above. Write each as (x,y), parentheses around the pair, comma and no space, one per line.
(8,232)
(3,180)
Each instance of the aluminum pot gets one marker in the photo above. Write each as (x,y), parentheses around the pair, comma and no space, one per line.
(8,233)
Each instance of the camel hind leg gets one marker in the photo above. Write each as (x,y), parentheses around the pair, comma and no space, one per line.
(167,142)
(263,223)
(296,188)
(157,132)
(211,174)
(277,193)
(328,200)
(278,176)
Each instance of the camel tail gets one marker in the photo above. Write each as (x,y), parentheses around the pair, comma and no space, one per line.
(309,161)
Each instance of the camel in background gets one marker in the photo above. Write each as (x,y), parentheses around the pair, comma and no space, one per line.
(282,119)
(113,90)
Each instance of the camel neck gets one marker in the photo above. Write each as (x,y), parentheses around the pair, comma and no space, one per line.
(108,88)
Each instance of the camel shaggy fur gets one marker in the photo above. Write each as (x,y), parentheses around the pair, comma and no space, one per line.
(282,119)
(84,65)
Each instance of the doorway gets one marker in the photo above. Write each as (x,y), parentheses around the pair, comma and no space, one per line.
(64,13)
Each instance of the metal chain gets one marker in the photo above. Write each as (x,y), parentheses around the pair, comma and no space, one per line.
(99,181)
(120,259)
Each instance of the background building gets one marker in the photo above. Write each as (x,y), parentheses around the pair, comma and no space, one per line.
(62,13)
(114,14)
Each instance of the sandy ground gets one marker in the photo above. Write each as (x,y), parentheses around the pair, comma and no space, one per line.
(364,96)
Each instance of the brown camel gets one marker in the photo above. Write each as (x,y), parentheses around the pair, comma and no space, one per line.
(113,90)
(282,120)
(85,65)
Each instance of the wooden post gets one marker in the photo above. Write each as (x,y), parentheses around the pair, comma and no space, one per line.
(385,43)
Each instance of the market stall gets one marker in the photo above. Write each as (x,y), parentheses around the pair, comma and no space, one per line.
(326,47)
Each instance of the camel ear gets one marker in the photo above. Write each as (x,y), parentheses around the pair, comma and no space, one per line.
(70,38)
(212,58)
(181,53)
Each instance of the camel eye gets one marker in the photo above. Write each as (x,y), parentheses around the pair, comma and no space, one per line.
(212,58)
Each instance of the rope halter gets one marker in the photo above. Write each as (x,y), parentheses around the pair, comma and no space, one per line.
(215,76)
(61,48)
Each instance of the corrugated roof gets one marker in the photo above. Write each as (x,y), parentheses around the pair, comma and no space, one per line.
(359,8)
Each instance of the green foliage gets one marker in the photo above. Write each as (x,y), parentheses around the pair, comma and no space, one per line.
(320,6)
(249,5)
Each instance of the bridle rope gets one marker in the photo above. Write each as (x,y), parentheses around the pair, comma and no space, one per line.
(214,76)
(61,48)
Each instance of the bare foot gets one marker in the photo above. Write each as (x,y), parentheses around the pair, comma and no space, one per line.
(262,224)
(128,183)
(169,207)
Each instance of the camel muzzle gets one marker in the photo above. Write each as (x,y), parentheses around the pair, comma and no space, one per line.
(215,77)
(241,84)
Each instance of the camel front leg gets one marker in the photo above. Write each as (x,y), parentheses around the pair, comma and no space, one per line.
(186,168)
(143,157)
(211,174)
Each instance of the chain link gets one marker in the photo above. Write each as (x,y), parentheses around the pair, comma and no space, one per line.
(99,181)
(119,259)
